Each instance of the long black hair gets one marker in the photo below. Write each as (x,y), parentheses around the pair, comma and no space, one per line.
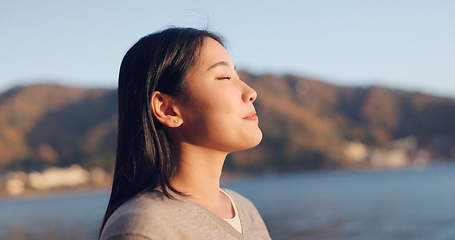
(145,158)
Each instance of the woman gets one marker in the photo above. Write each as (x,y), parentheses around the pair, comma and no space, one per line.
(182,109)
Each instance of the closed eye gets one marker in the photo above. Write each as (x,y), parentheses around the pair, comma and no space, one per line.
(224,77)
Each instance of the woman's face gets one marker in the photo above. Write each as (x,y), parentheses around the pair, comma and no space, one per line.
(218,112)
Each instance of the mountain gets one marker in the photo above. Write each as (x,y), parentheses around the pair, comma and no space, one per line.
(306,124)
(45,125)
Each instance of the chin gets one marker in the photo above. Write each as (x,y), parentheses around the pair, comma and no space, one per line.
(245,141)
(255,140)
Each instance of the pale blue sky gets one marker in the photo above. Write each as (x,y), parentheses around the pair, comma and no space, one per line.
(406,44)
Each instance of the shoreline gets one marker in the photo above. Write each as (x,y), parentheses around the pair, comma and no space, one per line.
(32,194)
(226,178)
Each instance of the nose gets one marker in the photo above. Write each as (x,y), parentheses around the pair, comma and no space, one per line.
(249,94)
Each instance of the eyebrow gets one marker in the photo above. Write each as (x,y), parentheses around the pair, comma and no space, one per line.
(222,63)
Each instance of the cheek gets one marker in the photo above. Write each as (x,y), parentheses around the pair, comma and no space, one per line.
(198,115)
(213,105)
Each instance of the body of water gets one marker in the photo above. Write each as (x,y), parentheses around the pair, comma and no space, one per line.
(368,205)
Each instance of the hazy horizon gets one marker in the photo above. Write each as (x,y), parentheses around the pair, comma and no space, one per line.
(403,45)
(61,82)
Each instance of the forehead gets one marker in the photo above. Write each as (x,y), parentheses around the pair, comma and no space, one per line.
(213,52)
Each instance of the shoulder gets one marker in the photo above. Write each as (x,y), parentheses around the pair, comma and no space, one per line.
(146,215)
(147,205)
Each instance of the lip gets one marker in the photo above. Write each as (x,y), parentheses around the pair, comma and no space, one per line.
(252,116)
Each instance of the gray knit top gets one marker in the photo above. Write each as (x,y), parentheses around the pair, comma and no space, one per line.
(153,216)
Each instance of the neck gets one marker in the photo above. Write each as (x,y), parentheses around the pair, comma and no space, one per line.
(198,176)
(198,173)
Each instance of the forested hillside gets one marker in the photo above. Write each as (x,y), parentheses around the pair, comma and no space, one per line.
(306,123)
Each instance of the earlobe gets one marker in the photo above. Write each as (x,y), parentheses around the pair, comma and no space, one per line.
(164,109)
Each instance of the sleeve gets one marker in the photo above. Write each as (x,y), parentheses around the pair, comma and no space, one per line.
(129,237)
(137,225)
(132,226)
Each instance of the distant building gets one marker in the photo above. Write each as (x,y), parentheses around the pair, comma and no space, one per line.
(59,177)
(356,151)
(395,158)
(15,182)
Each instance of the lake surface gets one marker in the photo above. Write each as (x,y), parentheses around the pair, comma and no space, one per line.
(368,205)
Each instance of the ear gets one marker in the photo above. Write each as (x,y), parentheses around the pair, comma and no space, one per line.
(165,109)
